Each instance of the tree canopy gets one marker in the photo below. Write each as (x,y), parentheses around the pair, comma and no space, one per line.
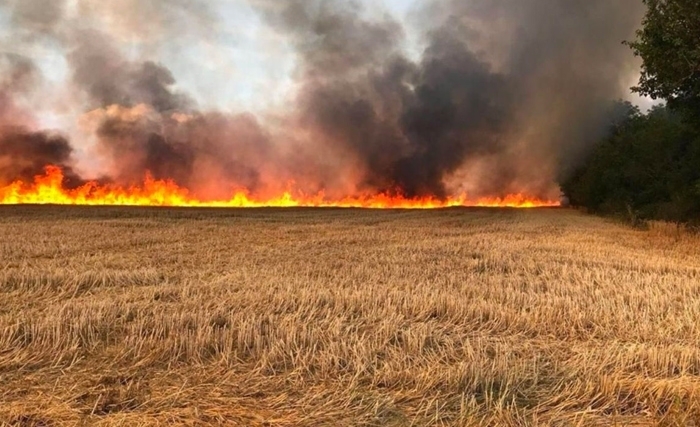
(647,168)
(649,164)
(669,45)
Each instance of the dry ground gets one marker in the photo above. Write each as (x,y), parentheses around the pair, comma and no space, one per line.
(343,317)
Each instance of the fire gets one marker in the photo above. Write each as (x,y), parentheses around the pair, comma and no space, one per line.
(48,189)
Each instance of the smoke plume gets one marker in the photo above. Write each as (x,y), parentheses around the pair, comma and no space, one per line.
(500,97)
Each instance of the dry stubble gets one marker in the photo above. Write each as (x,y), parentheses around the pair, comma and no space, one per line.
(345,317)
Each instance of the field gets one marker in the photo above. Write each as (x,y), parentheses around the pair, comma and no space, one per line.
(345,318)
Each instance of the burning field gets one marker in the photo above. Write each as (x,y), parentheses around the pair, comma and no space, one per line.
(308,317)
(305,103)
(49,189)
(145,303)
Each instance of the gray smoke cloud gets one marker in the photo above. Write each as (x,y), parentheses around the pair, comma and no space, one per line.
(504,97)
(523,87)
(24,152)
(109,79)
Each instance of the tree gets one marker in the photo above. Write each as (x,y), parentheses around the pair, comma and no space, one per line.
(669,45)
(647,167)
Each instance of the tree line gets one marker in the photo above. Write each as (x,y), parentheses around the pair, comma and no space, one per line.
(648,166)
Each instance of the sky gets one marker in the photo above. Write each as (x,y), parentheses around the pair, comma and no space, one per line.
(229,71)
(244,66)
(248,59)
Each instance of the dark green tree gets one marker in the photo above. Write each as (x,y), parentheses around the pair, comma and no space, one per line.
(649,165)
(669,45)
(647,168)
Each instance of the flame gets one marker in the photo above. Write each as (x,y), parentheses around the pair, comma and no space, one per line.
(49,189)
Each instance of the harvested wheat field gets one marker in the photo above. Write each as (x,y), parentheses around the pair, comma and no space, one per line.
(345,318)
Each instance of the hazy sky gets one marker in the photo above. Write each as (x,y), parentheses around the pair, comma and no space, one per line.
(244,65)
(249,65)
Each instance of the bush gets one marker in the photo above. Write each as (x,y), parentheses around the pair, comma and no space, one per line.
(647,168)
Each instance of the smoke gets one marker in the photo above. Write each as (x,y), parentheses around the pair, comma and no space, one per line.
(17,76)
(504,96)
(24,154)
(34,17)
(522,87)
(109,79)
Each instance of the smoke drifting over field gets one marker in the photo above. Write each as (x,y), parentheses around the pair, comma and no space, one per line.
(504,96)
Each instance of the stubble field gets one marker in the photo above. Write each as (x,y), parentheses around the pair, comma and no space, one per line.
(346,318)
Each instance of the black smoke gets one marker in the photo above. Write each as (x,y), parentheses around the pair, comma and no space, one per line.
(25,154)
(522,87)
(501,97)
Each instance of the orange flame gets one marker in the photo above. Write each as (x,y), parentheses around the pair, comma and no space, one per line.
(48,189)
